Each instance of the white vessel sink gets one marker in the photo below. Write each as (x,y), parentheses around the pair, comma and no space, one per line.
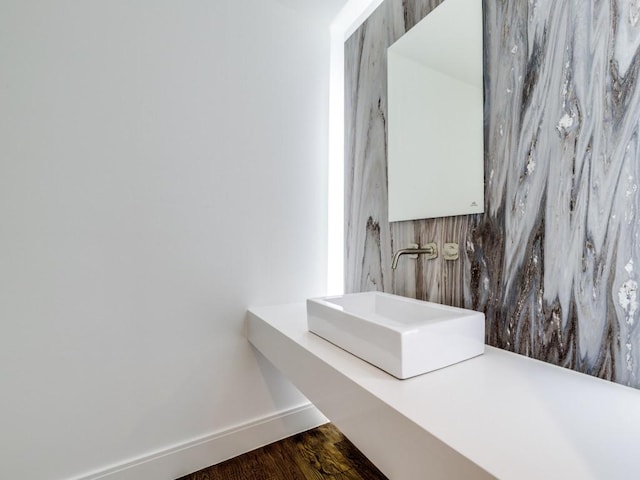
(402,336)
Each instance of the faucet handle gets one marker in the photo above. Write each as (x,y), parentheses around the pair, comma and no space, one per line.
(451,251)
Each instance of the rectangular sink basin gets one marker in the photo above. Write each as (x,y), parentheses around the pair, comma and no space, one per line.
(402,336)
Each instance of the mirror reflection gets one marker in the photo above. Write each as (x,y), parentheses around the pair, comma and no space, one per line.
(435,130)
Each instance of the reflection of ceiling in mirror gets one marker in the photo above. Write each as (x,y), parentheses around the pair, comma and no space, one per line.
(449,40)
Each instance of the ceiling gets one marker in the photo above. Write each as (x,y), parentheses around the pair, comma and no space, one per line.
(322,10)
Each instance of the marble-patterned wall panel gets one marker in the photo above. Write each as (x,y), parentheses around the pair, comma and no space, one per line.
(370,238)
(553,260)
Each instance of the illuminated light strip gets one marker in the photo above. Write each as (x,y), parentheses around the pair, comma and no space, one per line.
(346,22)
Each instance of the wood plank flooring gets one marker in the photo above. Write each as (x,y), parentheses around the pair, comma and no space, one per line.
(321,453)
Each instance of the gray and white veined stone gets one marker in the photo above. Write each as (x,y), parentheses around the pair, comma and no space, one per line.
(553,262)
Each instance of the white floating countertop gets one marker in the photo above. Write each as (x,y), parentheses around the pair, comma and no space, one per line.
(509,416)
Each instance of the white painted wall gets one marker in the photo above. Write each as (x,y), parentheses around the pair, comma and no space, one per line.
(162,168)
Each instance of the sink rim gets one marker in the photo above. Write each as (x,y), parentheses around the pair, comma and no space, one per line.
(387,322)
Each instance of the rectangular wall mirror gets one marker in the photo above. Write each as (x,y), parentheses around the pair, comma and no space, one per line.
(435,129)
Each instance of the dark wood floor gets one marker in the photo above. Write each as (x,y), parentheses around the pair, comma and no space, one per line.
(321,453)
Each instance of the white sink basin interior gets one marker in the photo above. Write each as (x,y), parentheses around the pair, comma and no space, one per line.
(402,336)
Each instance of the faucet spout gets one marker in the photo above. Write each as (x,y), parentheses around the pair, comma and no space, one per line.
(429,249)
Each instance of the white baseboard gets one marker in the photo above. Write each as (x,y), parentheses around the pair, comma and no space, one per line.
(179,460)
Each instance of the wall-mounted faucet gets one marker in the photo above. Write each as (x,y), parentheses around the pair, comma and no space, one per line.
(430,249)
